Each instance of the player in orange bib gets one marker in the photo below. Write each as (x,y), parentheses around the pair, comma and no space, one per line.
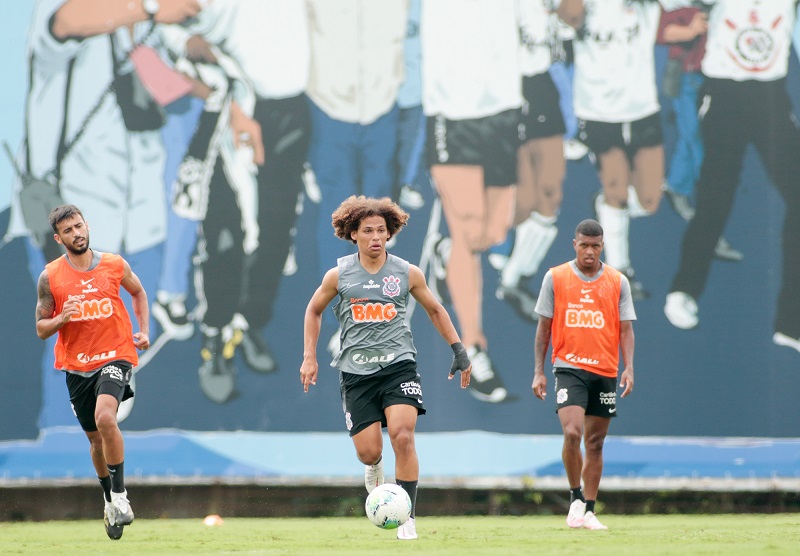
(79,299)
(586,308)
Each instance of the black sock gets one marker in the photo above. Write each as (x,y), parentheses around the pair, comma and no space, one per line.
(590,506)
(576,494)
(105,482)
(117,477)
(411,488)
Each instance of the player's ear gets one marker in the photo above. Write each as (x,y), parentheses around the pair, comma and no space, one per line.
(57,238)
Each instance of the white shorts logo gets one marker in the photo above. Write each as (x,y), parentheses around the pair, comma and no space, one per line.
(561,395)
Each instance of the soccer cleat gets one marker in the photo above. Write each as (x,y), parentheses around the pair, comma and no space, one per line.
(638,293)
(520,299)
(113,531)
(781,339)
(575,517)
(122,508)
(485,384)
(724,252)
(681,310)
(590,521)
(407,531)
(257,353)
(373,476)
(173,319)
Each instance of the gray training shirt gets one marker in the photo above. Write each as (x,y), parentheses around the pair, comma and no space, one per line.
(371,310)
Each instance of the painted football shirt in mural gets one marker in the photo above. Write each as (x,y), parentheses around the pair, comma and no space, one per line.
(615,77)
(749,39)
(371,309)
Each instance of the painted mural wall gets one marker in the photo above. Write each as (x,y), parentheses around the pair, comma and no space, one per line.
(211,153)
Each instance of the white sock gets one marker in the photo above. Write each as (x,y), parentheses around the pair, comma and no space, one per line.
(534,236)
(615,223)
(635,208)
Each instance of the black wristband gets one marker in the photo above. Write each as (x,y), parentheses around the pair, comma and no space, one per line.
(460,358)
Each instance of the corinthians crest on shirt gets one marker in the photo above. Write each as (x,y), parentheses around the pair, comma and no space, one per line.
(391,286)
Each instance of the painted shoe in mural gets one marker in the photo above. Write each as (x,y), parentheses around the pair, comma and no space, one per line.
(681,310)
(485,384)
(217,373)
(520,299)
(173,319)
(257,353)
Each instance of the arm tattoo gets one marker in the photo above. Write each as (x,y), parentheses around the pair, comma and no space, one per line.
(46,304)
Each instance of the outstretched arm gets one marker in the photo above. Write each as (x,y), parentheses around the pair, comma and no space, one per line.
(141,310)
(47,321)
(441,321)
(312,324)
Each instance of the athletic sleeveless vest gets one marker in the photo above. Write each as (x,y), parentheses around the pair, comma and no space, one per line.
(371,309)
(585,329)
(103,331)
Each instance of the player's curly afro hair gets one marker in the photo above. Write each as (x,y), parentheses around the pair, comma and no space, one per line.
(354,209)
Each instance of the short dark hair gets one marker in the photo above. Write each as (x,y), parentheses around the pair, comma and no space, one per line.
(59,214)
(347,218)
(589,228)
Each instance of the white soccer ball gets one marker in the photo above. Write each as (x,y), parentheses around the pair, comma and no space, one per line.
(388,506)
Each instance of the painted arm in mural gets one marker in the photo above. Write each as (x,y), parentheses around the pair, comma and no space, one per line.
(87,18)
(441,321)
(141,310)
(312,324)
(542,342)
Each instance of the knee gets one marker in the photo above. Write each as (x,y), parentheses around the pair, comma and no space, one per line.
(368,455)
(572,435)
(402,440)
(105,420)
(594,444)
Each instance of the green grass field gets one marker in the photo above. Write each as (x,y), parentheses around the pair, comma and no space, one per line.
(652,535)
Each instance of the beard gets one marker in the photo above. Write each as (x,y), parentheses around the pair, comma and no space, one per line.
(78,250)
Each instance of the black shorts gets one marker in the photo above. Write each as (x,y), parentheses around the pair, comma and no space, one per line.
(541,114)
(595,393)
(490,142)
(364,397)
(112,378)
(601,137)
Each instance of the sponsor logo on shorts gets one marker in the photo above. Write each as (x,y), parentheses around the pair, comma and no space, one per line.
(561,395)
(608,398)
(348,421)
(114,372)
(83,358)
(411,388)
